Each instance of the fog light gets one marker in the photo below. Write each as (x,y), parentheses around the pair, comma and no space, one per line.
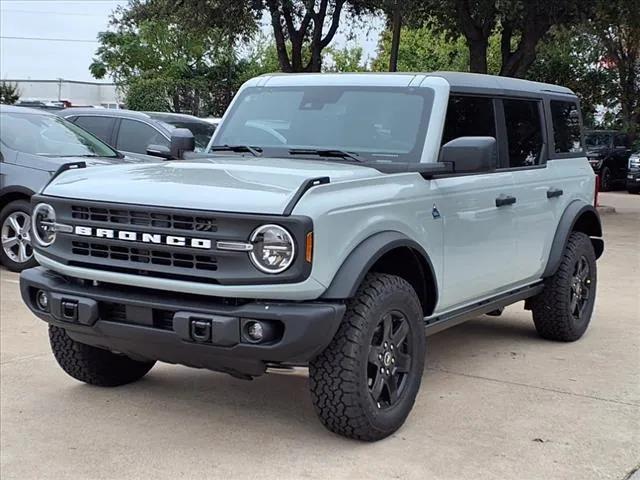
(255,332)
(42,300)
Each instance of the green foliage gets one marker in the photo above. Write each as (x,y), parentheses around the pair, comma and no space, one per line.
(9,93)
(185,70)
(520,25)
(149,95)
(425,49)
(347,59)
(571,58)
(616,26)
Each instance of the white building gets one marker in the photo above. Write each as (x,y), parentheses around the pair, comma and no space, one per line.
(76,93)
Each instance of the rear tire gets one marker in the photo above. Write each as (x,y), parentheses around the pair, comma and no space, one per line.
(364,384)
(92,365)
(605,179)
(562,311)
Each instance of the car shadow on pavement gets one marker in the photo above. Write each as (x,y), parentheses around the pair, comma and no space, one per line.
(279,401)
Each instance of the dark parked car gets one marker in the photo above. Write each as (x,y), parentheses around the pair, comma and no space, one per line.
(34,144)
(608,152)
(633,173)
(132,132)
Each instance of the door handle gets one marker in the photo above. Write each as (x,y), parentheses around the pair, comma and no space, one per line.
(554,192)
(504,200)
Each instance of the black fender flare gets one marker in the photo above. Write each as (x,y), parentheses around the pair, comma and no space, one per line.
(351,273)
(580,216)
(12,191)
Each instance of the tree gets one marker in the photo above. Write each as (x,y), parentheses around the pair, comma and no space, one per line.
(347,59)
(9,93)
(183,69)
(426,49)
(616,25)
(396,12)
(571,57)
(521,25)
(302,29)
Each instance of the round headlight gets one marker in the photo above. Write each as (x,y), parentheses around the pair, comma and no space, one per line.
(273,249)
(43,224)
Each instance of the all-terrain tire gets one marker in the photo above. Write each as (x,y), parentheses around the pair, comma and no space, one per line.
(340,377)
(92,365)
(553,312)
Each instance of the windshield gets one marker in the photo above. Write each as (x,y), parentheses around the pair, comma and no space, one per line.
(49,136)
(202,131)
(376,123)
(597,139)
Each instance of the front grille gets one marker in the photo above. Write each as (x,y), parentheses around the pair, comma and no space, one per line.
(122,216)
(145,255)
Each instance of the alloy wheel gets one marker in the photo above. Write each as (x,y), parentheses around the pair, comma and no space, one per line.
(389,359)
(16,237)
(580,288)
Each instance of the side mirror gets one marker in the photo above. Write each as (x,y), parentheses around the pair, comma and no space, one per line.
(182,141)
(470,154)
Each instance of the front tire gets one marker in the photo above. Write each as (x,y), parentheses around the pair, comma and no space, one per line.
(16,250)
(364,384)
(92,365)
(562,311)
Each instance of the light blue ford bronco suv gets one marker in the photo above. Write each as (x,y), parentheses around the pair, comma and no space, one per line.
(335,222)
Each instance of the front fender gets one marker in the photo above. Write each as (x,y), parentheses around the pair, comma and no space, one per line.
(358,263)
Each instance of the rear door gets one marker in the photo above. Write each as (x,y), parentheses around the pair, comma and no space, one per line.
(98,125)
(479,236)
(135,136)
(544,187)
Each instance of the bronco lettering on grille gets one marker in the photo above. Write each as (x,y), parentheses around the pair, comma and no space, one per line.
(155,238)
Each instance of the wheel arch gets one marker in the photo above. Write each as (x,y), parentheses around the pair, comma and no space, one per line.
(10,194)
(579,216)
(387,252)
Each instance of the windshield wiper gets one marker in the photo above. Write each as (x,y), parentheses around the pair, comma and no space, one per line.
(255,151)
(326,153)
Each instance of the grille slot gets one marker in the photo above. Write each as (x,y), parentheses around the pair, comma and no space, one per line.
(117,312)
(144,255)
(114,312)
(121,216)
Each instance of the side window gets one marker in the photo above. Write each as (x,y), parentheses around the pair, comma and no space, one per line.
(524,132)
(468,117)
(566,126)
(135,136)
(100,127)
(620,140)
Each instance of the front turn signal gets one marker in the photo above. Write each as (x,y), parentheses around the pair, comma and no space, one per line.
(308,256)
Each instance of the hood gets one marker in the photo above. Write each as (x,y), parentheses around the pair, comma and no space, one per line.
(596,151)
(228,184)
(51,164)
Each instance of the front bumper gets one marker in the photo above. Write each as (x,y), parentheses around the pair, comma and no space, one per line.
(633,180)
(154,325)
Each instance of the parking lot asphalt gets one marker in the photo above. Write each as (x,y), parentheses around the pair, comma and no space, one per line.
(497,402)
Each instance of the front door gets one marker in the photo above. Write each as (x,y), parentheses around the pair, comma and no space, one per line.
(478,218)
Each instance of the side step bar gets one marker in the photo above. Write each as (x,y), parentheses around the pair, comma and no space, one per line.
(441,322)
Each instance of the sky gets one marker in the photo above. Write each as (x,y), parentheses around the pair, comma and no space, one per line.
(52,39)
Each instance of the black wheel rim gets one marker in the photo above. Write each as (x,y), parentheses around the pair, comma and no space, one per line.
(580,288)
(389,359)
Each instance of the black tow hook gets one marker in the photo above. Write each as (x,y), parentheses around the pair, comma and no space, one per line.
(201,330)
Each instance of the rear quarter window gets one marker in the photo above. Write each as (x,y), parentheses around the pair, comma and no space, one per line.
(565,117)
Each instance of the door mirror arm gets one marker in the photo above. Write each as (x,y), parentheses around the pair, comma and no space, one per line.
(182,141)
